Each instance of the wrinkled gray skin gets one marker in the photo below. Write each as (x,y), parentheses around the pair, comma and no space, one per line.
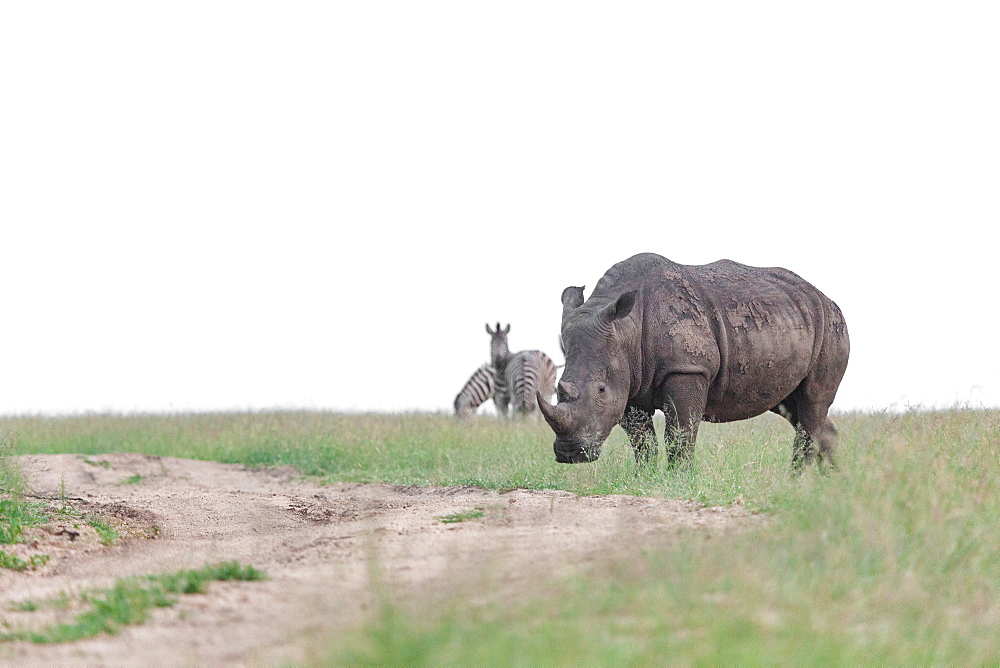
(719,342)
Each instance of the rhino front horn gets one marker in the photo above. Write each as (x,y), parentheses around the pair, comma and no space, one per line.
(557,416)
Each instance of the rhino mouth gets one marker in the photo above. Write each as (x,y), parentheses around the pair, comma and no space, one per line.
(575,452)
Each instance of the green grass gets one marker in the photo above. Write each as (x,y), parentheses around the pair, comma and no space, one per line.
(15,512)
(106,534)
(102,464)
(16,515)
(16,563)
(418,449)
(60,602)
(892,560)
(461,517)
(128,602)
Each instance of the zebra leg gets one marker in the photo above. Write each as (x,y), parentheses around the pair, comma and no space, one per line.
(638,424)
(502,401)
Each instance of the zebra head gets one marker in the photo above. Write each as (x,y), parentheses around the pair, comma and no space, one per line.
(499,352)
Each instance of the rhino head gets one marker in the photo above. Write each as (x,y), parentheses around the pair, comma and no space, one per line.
(594,390)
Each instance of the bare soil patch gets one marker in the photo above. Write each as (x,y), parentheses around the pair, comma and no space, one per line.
(320,545)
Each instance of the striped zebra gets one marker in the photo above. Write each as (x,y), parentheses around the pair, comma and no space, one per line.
(520,375)
(499,356)
(528,372)
(477,389)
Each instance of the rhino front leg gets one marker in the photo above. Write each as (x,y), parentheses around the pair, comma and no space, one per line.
(684,399)
(638,424)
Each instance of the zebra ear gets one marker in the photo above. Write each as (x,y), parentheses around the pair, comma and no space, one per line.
(572,297)
(506,330)
(488,330)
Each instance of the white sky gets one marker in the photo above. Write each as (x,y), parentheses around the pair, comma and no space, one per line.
(216,205)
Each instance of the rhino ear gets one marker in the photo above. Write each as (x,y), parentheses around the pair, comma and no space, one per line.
(619,308)
(572,297)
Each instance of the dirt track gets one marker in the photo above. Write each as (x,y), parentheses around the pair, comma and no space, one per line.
(318,544)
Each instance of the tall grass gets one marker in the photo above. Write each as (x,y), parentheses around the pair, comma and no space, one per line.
(15,512)
(892,560)
(422,449)
(10,476)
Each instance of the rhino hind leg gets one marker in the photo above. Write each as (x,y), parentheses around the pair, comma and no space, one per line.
(638,424)
(803,450)
(816,447)
(827,445)
(815,436)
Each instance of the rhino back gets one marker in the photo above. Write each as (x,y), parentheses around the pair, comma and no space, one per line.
(773,328)
(754,332)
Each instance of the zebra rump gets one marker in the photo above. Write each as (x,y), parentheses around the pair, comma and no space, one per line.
(477,389)
(528,372)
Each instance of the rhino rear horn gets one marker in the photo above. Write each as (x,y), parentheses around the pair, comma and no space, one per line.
(569,390)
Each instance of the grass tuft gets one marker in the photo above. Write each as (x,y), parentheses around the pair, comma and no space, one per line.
(461,517)
(16,563)
(15,516)
(106,534)
(129,602)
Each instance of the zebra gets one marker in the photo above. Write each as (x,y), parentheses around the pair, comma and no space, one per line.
(499,356)
(477,389)
(520,375)
(529,372)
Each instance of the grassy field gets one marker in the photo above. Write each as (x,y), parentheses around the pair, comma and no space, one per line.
(893,560)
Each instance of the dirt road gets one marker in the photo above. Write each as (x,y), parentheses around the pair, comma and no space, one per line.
(320,545)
